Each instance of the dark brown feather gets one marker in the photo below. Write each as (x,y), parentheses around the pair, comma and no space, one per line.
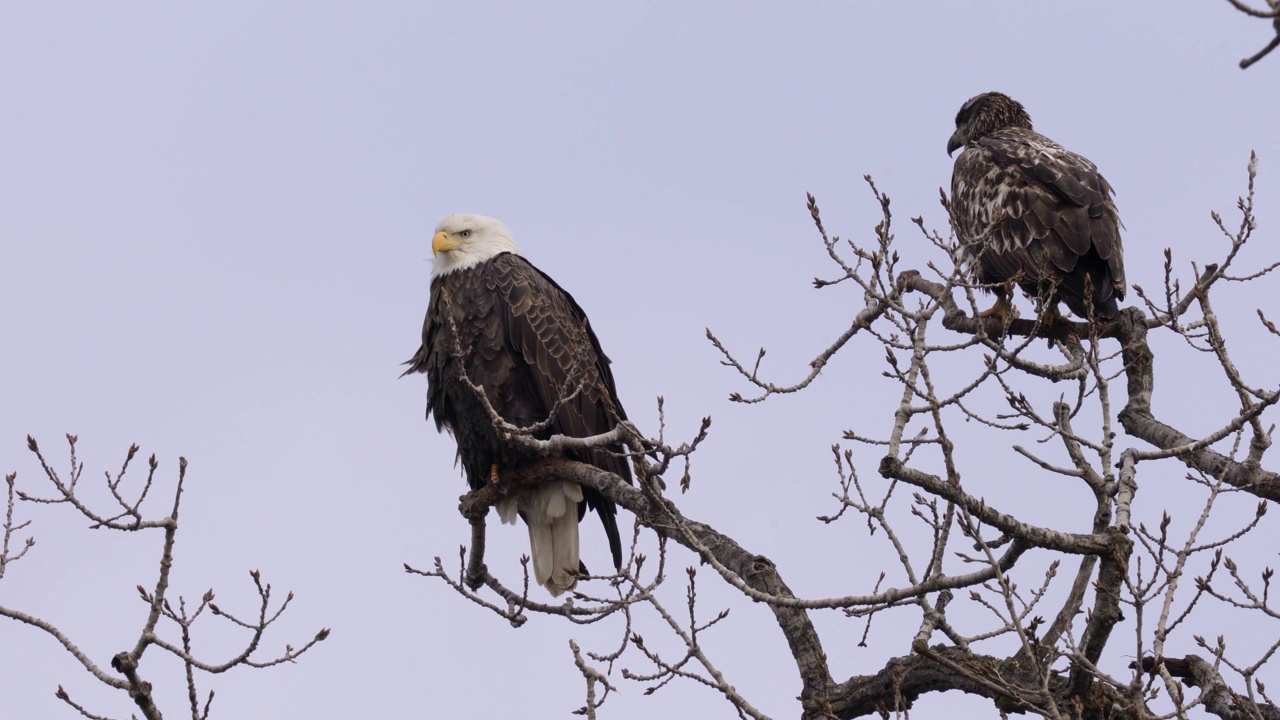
(514,332)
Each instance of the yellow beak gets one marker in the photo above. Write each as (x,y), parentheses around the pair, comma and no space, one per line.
(443,243)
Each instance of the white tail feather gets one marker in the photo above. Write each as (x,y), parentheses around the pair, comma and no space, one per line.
(551,512)
(507,509)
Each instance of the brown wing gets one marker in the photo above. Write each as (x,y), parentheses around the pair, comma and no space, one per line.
(561,351)
(1026,207)
(526,341)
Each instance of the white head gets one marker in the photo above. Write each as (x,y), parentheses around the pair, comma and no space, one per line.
(464,240)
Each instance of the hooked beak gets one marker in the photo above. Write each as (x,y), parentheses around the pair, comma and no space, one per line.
(443,243)
(954,143)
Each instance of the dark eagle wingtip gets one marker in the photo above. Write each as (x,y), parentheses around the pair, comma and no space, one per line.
(413,364)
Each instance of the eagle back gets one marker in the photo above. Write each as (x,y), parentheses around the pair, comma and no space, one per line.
(1024,206)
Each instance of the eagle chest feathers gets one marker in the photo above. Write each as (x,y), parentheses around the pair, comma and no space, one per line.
(470,334)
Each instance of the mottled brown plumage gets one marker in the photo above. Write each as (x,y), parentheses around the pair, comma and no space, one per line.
(515,333)
(1030,211)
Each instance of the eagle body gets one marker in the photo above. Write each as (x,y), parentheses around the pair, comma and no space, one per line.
(1030,211)
(509,329)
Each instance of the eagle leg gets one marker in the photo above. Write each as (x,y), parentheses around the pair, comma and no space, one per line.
(1053,321)
(1002,309)
(494,477)
(1052,316)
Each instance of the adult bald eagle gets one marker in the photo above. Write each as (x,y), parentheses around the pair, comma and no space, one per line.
(1030,211)
(512,331)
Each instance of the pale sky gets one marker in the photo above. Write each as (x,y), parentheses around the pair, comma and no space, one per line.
(217,222)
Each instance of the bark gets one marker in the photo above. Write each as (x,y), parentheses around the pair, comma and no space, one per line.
(1219,699)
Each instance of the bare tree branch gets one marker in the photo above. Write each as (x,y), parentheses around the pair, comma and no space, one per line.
(131,519)
(928,512)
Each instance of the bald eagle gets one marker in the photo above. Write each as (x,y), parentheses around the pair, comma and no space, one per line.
(1028,210)
(512,331)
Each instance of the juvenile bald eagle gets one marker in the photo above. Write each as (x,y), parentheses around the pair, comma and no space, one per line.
(515,333)
(1030,211)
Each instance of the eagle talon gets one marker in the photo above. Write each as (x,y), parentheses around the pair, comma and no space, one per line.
(1053,322)
(1002,310)
(1053,317)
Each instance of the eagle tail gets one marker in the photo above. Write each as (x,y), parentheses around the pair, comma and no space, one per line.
(551,512)
(1077,285)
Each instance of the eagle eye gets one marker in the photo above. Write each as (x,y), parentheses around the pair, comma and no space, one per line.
(465,233)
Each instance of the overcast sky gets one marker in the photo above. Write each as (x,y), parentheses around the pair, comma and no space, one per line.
(216,222)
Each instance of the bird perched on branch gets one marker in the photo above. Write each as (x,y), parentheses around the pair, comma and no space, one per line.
(1031,212)
(499,326)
